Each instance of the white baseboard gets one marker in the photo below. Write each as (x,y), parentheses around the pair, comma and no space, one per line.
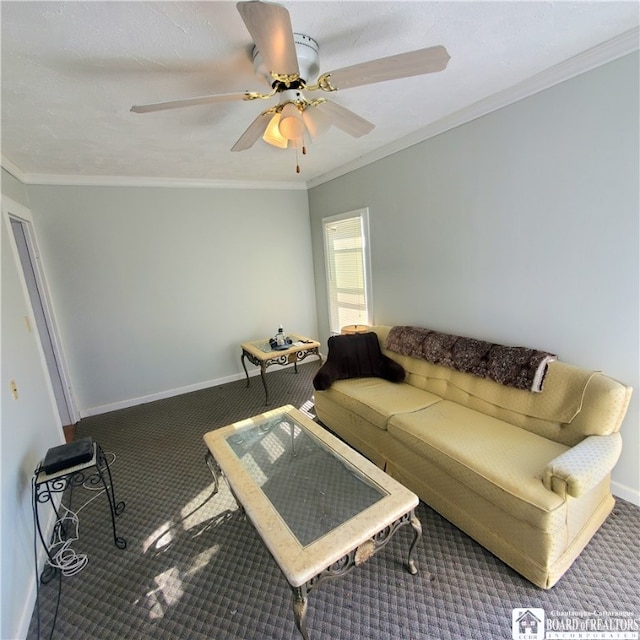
(626,493)
(169,393)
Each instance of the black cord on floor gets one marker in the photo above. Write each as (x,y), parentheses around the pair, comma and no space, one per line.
(55,615)
(35,548)
(36,525)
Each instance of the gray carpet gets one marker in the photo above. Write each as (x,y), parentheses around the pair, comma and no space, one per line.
(195,569)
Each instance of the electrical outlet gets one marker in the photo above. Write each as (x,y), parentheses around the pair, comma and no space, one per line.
(14,389)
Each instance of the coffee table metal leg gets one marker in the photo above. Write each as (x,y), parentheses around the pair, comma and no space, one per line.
(217,474)
(417,527)
(264,382)
(300,610)
(244,366)
(354,559)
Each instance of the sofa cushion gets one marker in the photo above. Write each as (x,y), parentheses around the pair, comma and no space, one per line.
(356,356)
(502,462)
(376,400)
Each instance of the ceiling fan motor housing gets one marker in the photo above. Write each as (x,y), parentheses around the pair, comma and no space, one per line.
(308,53)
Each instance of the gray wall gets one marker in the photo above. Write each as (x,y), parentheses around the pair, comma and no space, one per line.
(155,288)
(520,227)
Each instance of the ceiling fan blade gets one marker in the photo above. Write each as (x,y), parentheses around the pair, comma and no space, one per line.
(270,27)
(403,65)
(253,132)
(345,119)
(175,104)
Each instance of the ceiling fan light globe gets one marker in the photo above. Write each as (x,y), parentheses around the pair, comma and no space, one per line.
(291,128)
(291,125)
(272,133)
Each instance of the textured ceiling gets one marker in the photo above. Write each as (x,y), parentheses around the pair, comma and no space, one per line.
(72,70)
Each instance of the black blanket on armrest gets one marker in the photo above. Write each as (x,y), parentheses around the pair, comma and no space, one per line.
(356,356)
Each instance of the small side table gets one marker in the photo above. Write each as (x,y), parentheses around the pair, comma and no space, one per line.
(263,355)
(95,472)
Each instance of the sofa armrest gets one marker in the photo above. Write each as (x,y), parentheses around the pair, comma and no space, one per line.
(582,467)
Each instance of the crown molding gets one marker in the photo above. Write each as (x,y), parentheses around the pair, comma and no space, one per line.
(593,58)
(13,169)
(127,181)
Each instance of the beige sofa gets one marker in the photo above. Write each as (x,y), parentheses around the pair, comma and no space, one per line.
(525,474)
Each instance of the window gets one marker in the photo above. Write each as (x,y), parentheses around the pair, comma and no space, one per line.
(346,244)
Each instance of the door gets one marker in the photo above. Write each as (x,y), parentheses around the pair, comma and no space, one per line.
(28,256)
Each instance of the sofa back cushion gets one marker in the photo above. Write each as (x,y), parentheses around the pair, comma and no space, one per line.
(574,403)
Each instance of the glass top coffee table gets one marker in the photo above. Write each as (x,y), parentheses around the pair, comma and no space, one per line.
(320,507)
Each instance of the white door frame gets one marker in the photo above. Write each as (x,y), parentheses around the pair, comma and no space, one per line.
(12,209)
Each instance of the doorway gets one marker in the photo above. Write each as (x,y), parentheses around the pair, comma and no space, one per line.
(28,256)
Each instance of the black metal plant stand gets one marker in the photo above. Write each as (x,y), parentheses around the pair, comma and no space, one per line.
(93,473)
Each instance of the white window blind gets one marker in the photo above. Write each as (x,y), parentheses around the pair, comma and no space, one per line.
(348,283)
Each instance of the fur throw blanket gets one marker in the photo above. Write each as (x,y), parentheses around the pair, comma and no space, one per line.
(517,367)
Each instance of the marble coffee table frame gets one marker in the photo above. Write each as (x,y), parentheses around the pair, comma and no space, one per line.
(339,551)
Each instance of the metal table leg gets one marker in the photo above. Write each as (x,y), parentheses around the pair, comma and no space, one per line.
(263,370)
(350,561)
(116,507)
(263,364)
(417,527)
(300,610)
(244,366)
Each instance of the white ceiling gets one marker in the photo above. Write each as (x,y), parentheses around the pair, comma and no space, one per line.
(72,70)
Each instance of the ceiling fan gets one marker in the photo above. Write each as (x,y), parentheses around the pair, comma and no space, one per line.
(289,61)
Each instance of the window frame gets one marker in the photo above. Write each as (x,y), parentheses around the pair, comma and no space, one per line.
(363,214)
